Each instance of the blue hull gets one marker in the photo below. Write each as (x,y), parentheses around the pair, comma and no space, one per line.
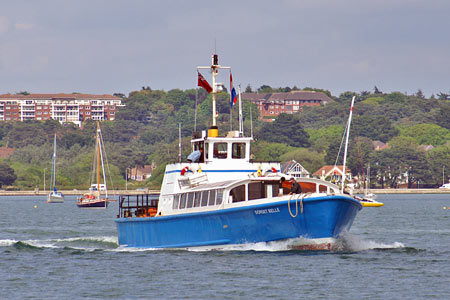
(322,217)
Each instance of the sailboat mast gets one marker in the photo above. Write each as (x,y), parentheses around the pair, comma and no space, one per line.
(53,177)
(100,141)
(346,143)
(98,157)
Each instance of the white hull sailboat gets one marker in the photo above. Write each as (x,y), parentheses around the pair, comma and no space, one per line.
(54,196)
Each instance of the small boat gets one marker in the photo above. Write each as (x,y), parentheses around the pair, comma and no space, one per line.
(368,200)
(97,197)
(223,198)
(54,196)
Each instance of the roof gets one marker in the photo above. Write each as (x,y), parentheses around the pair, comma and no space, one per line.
(289,165)
(5,152)
(379,145)
(74,96)
(328,168)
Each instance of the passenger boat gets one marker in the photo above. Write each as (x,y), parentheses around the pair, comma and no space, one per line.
(54,196)
(94,198)
(225,198)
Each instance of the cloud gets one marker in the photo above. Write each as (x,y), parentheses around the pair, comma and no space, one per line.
(24,26)
(4,24)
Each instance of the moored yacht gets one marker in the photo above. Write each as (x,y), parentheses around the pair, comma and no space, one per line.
(222,197)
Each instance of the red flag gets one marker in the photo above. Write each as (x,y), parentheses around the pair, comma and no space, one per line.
(203,83)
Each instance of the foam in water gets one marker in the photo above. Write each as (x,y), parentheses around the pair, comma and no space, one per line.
(350,242)
(81,243)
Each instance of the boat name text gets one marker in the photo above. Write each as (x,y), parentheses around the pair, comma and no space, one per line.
(267,211)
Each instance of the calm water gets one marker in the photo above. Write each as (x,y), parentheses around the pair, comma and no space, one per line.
(58,251)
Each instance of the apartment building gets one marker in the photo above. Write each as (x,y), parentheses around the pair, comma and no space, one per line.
(271,105)
(74,108)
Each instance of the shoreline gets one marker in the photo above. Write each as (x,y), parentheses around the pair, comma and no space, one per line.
(75,193)
(134,192)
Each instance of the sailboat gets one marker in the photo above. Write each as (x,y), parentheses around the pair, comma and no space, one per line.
(368,195)
(54,196)
(97,197)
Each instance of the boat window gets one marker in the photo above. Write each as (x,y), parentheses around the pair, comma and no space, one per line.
(182,201)
(204,198)
(219,198)
(199,146)
(206,150)
(220,150)
(275,189)
(238,194)
(176,199)
(255,190)
(197,196)
(190,200)
(238,150)
(212,197)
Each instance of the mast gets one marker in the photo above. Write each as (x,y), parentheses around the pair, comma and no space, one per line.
(346,143)
(98,157)
(53,176)
(215,67)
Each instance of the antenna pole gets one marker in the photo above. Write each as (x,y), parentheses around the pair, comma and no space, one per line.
(251,123)
(241,125)
(179,142)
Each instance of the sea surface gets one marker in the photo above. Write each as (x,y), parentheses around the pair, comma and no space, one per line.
(58,251)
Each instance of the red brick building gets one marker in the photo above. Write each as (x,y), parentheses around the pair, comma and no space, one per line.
(73,108)
(273,104)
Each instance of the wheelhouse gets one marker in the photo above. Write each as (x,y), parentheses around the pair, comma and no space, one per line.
(214,148)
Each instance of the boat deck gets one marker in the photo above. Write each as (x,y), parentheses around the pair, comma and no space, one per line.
(140,205)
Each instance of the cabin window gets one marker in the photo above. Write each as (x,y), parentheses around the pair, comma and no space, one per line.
(206,150)
(220,150)
(204,198)
(272,189)
(182,201)
(219,198)
(212,198)
(176,199)
(255,191)
(197,196)
(238,194)
(190,200)
(200,146)
(238,150)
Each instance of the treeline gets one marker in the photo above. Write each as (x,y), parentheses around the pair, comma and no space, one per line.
(146,131)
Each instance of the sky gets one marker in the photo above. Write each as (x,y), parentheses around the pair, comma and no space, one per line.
(114,46)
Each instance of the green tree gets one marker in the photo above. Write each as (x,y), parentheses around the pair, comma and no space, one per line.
(310,160)
(7,175)
(438,160)
(392,163)
(375,127)
(426,134)
(285,129)
(264,151)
